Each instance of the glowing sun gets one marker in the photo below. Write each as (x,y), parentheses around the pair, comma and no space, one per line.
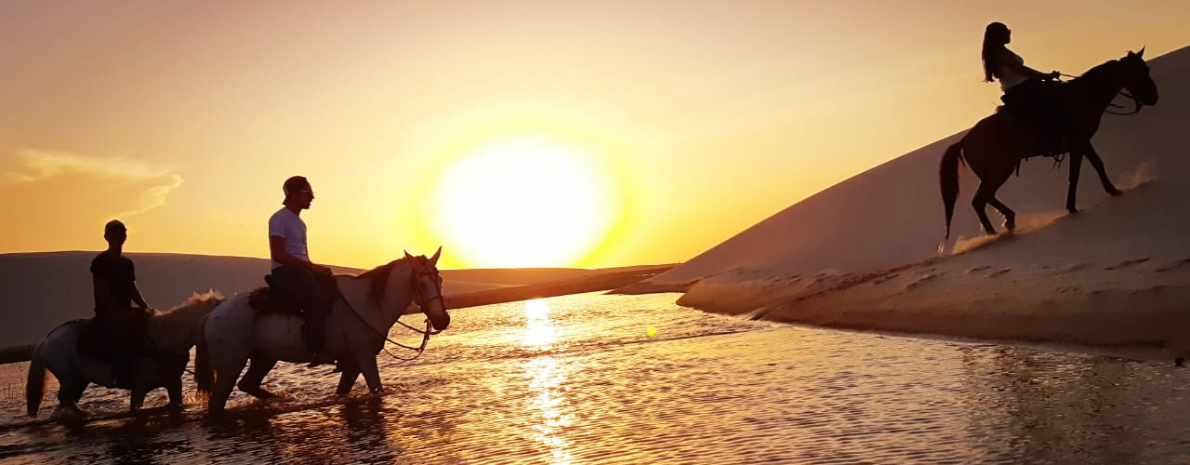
(524,203)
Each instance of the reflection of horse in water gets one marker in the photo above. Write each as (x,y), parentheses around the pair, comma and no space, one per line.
(367,306)
(170,335)
(998,143)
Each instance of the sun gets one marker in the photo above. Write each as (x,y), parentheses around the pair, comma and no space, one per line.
(531,202)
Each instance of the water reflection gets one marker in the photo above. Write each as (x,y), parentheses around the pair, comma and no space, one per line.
(539,331)
(548,405)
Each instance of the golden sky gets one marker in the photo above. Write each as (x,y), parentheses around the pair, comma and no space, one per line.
(513,133)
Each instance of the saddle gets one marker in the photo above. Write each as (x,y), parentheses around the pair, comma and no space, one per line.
(269,299)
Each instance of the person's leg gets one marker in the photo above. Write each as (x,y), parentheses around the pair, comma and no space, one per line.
(320,307)
(315,301)
(125,340)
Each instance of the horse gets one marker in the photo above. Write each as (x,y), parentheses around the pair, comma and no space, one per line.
(365,308)
(997,144)
(169,337)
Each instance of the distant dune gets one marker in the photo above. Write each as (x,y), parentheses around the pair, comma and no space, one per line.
(47,289)
(864,253)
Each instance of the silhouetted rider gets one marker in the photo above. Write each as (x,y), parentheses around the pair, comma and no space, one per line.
(114,279)
(293,273)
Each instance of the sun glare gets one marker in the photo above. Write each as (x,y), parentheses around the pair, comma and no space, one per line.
(524,203)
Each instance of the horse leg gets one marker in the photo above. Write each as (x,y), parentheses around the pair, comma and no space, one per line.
(226,374)
(250,383)
(70,390)
(1096,162)
(1076,162)
(1009,215)
(979,202)
(138,399)
(371,372)
(986,194)
(347,378)
(173,387)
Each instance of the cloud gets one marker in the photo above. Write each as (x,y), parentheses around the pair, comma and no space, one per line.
(131,187)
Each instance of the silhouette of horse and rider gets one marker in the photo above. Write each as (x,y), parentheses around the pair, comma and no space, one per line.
(1041,117)
(306,314)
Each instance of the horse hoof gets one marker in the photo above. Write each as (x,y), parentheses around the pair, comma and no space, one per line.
(1072,211)
(1114,192)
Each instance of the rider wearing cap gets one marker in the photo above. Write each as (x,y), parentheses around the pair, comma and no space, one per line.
(293,273)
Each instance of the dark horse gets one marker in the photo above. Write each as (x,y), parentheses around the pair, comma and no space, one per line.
(998,143)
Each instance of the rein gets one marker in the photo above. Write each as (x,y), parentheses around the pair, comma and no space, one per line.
(426,333)
(1135,101)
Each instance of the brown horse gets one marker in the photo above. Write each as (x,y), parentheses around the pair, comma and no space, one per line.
(998,143)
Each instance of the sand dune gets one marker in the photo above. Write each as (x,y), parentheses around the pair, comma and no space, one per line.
(864,253)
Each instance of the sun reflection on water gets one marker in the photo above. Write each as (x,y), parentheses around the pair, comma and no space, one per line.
(539,332)
(547,404)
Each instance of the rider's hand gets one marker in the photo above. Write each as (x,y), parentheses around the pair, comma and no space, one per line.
(323,270)
(1054,75)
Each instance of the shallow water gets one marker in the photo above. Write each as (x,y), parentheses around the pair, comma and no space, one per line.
(579,379)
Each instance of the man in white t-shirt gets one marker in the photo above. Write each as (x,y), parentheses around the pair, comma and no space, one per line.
(293,272)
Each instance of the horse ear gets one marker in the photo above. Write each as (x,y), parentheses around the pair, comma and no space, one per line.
(434,259)
(1141,54)
(407,256)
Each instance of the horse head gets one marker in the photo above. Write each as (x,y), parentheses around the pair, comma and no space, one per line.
(1135,78)
(425,286)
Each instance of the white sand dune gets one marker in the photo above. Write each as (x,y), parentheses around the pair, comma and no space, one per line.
(46,289)
(864,253)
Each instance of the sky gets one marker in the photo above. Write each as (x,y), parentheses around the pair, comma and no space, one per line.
(512,133)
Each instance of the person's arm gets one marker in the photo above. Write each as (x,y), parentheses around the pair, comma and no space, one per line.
(278,254)
(136,297)
(1008,60)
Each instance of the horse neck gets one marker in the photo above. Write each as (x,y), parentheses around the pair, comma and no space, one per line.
(1100,85)
(396,296)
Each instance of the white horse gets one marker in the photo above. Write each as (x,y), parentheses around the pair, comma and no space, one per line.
(364,310)
(170,336)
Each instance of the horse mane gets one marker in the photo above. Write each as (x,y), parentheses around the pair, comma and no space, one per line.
(178,324)
(1100,72)
(378,277)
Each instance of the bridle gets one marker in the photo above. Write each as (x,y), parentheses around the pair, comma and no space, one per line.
(413,291)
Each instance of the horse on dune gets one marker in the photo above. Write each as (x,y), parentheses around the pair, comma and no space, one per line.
(169,337)
(995,146)
(365,309)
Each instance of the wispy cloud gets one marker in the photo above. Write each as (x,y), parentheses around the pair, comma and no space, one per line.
(153,183)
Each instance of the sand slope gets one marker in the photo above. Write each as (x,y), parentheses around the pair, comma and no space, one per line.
(864,253)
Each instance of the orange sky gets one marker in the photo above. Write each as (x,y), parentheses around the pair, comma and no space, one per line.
(697,118)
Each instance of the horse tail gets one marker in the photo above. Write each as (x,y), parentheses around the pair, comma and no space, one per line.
(204,376)
(35,382)
(948,175)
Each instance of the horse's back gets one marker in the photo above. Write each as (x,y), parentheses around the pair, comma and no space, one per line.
(237,328)
(229,323)
(998,141)
(60,346)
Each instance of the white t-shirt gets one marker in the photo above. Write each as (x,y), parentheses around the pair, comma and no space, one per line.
(289,226)
(1009,78)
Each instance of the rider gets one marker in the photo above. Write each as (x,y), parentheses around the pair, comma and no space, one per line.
(293,273)
(1026,90)
(114,279)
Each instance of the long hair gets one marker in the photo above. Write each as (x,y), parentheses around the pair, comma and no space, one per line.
(993,42)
